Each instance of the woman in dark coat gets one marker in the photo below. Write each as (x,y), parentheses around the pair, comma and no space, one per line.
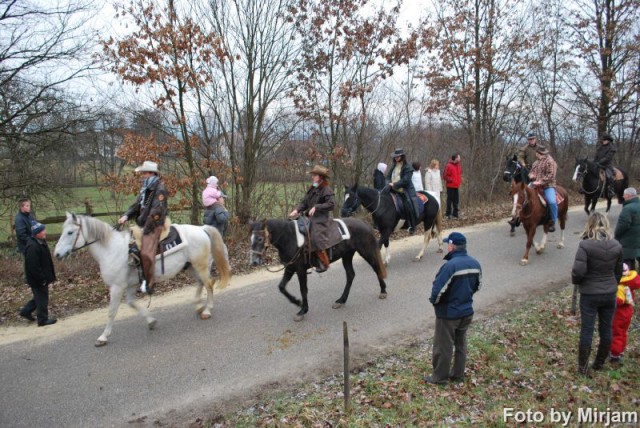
(399,176)
(318,203)
(378,176)
(597,270)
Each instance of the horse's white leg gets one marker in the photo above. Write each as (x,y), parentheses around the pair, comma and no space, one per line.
(387,255)
(561,243)
(115,296)
(425,243)
(540,247)
(201,272)
(142,311)
(197,299)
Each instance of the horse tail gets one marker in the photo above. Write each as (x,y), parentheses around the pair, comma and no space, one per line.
(219,253)
(381,270)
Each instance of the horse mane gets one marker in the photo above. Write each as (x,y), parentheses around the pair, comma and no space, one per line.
(97,229)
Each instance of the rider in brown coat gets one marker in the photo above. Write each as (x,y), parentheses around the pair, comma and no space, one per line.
(318,203)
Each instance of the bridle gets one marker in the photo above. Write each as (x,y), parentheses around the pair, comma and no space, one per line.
(580,176)
(368,208)
(73,247)
(265,247)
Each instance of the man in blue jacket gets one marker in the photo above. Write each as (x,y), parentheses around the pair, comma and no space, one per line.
(452,298)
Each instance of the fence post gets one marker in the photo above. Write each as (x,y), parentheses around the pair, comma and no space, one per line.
(347,388)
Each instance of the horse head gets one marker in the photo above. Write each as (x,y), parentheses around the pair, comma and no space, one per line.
(69,236)
(583,168)
(351,201)
(259,242)
(513,169)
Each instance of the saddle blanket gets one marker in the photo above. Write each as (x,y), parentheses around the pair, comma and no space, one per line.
(543,201)
(420,201)
(170,239)
(302,225)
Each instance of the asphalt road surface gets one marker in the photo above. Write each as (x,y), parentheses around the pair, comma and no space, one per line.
(187,367)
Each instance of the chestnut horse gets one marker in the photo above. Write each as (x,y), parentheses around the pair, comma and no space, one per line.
(532,213)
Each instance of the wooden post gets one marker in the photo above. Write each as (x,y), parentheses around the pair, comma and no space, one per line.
(347,389)
(574,299)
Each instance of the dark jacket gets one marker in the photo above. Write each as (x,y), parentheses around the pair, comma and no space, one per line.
(38,265)
(322,198)
(154,211)
(23,223)
(597,268)
(453,175)
(378,180)
(455,284)
(217,216)
(628,229)
(527,155)
(604,154)
(405,184)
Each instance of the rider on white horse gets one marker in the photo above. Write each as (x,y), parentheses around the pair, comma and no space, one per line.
(149,211)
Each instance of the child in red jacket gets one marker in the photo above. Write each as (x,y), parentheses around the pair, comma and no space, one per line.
(629,282)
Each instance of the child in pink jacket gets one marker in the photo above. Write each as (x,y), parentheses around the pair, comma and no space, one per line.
(211,193)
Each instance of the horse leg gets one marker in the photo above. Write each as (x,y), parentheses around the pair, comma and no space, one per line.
(115,297)
(347,262)
(384,241)
(130,295)
(378,267)
(525,259)
(608,203)
(543,242)
(563,222)
(586,205)
(288,274)
(304,308)
(425,243)
(201,272)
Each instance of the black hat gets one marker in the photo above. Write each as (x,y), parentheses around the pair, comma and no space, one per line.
(607,137)
(37,228)
(531,135)
(398,152)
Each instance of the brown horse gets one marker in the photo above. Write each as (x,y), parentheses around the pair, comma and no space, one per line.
(533,213)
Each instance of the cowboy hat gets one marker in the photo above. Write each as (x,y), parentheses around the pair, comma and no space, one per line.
(148,166)
(607,137)
(398,152)
(319,170)
(542,150)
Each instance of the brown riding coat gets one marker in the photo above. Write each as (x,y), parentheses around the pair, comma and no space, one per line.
(322,235)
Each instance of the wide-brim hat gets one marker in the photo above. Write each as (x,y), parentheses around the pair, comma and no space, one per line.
(148,166)
(531,135)
(397,152)
(319,170)
(542,150)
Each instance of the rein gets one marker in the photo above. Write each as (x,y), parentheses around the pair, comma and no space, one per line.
(268,243)
(73,247)
(582,176)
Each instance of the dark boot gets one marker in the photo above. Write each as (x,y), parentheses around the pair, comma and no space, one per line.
(552,226)
(583,360)
(601,356)
(323,261)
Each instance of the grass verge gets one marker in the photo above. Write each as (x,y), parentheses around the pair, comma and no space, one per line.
(524,360)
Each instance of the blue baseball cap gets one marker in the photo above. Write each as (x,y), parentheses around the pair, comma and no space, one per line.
(37,228)
(455,238)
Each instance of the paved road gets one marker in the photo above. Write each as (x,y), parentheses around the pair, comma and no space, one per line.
(57,378)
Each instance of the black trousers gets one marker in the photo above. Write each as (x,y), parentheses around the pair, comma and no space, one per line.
(450,341)
(39,303)
(453,198)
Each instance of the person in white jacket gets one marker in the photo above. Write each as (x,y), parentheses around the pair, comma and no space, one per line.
(416,178)
(433,179)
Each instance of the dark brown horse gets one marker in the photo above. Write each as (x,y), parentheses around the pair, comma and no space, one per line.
(532,213)
(296,259)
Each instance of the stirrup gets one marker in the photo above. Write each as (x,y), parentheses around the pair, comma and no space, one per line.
(134,260)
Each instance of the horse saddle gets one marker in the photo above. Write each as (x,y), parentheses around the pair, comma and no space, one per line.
(617,174)
(420,201)
(543,201)
(303,229)
(169,238)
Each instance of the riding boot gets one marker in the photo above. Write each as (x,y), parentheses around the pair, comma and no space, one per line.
(323,261)
(601,356)
(552,226)
(583,360)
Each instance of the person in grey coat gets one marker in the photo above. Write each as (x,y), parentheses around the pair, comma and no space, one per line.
(628,227)
(597,270)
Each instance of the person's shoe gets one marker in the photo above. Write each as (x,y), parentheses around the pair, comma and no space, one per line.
(552,226)
(46,322)
(26,316)
(429,379)
(454,379)
(616,361)
(448,216)
(321,268)
(411,230)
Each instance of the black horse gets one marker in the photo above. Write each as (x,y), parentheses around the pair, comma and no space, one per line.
(594,186)
(387,219)
(296,259)
(516,172)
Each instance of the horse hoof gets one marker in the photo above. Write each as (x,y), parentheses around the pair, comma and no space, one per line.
(560,246)
(524,262)
(99,343)
(539,251)
(200,309)
(512,234)
(204,316)
(152,324)
(298,317)
(382,296)
(417,259)
(440,250)
(337,305)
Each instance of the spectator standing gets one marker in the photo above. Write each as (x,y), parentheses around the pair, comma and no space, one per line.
(597,270)
(453,180)
(23,223)
(433,180)
(379,180)
(452,297)
(416,178)
(625,298)
(40,273)
(627,230)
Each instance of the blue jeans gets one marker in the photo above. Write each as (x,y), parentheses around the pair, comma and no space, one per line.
(602,305)
(550,196)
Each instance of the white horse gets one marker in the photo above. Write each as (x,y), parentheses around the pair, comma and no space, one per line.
(111,250)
